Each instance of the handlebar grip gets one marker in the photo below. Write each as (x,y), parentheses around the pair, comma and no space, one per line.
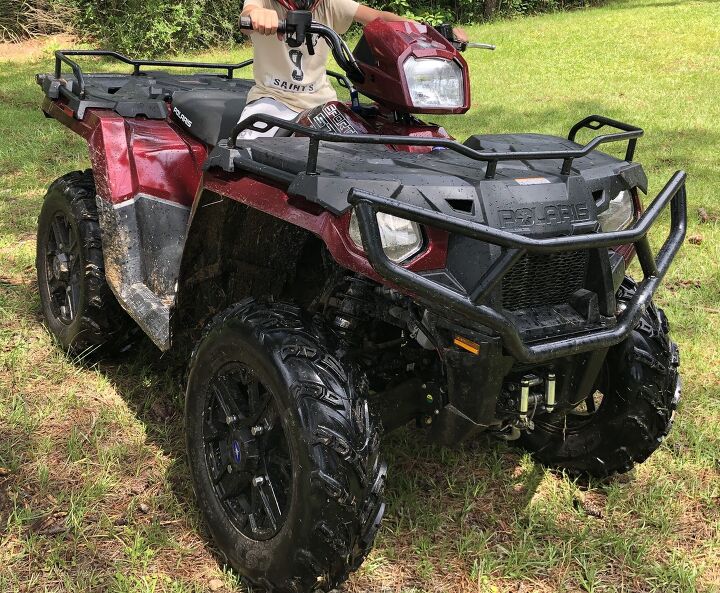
(246,24)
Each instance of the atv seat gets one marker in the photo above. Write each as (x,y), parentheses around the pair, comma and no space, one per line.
(209,115)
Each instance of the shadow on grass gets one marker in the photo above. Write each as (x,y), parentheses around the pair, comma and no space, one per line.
(434,494)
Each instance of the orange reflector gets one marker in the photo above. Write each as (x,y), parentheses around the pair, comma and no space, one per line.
(466,344)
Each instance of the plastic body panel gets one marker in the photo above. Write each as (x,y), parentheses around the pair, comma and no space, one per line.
(137,156)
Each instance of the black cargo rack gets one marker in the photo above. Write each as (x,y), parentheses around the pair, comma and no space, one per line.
(594,122)
(61,57)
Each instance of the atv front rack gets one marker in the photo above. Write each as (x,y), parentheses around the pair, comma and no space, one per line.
(514,247)
(628,133)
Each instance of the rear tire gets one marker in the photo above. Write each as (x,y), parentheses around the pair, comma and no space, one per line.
(640,388)
(312,517)
(79,308)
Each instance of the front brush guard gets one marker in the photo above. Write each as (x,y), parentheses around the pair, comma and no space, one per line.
(514,247)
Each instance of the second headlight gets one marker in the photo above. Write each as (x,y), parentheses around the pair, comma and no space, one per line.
(620,213)
(401,239)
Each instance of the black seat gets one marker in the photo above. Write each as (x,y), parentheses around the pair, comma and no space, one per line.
(209,115)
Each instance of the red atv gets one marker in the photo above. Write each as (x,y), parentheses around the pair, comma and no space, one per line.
(363,270)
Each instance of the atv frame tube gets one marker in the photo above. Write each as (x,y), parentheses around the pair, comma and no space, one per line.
(368,206)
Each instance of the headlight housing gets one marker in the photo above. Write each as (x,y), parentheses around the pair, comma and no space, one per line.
(401,239)
(435,83)
(620,213)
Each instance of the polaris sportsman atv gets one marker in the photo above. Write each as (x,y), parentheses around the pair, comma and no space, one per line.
(363,270)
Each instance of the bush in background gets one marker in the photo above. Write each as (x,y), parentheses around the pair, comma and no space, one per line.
(20,19)
(150,27)
(473,11)
(145,28)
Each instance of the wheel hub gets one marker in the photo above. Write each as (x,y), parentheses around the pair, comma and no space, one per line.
(244,451)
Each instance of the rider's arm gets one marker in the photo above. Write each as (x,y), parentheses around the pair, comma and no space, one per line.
(366,15)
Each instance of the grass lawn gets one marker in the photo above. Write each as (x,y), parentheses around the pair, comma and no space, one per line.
(94,491)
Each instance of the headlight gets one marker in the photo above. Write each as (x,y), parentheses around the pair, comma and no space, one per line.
(401,239)
(620,213)
(435,83)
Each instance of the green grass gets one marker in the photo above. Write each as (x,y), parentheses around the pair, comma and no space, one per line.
(96,494)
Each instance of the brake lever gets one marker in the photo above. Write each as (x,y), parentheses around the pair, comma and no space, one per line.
(462,46)
(480,46)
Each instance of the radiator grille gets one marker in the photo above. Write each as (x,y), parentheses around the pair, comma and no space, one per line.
(541,279)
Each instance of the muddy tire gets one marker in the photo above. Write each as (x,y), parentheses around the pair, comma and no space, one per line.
(282,449)
(79,308)
(638,392)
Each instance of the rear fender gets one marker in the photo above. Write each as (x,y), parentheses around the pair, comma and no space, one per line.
(147,175)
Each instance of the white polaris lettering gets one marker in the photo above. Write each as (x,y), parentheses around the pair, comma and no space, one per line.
(182,117)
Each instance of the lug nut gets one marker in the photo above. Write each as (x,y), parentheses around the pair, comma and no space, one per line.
(229,468)
(256,431)
(428,420)
(231,419)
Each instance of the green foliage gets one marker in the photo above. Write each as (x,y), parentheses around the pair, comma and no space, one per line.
(146,28)
(20,19)
(467,11)
(150,27)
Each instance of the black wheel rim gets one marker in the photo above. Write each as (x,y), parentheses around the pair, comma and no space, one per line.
(247,452)
(63,269)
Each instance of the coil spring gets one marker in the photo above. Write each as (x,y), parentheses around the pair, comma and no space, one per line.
(348,316)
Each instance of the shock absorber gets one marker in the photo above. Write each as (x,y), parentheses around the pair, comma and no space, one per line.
(348,315)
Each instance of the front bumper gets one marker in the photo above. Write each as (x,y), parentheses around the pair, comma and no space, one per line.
(514,246)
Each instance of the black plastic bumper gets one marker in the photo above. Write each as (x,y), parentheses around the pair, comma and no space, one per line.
(514,246)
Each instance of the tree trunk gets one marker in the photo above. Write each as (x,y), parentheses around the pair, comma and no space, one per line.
(489,8)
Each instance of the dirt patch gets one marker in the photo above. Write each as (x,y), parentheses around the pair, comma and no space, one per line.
(32,49)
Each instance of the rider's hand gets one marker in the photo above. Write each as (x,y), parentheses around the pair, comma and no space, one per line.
(265,21)
(461,35)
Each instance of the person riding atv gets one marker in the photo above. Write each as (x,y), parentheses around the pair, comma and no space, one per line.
(361,273)
(290,80)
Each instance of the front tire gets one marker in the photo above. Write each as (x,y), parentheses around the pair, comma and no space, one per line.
(630,414)
(282,450)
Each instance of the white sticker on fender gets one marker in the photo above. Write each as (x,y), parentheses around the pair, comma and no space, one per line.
(532,181)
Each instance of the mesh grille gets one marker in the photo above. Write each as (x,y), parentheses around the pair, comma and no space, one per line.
(540,279)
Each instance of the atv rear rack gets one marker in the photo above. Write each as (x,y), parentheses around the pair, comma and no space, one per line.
(515,246)
(61,57)
(81,99)
(594,122)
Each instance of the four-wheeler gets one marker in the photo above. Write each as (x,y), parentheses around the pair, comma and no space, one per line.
(361,271)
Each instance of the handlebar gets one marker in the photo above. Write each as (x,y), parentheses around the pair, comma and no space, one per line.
(297,30)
